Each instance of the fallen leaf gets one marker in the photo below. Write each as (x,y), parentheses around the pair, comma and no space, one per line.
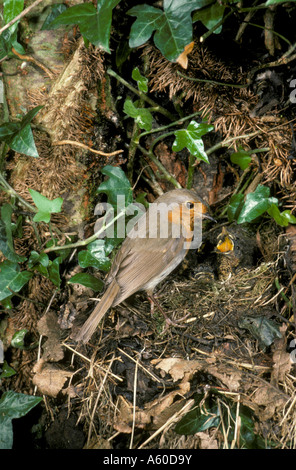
(177,368)
(183,59)
(281,358)
(48,326)
(49,379)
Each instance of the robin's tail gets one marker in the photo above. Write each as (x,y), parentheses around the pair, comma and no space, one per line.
(88,328)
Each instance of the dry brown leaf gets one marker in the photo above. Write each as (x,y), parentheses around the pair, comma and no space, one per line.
(153,416)
(281,358)
(52,348)
(271,399)
(183,59)
(178,368)
(206,441)
(49,379)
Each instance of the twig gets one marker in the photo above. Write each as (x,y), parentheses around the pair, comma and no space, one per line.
(97,400)
(86,147)
(134,404)
(172,124)
(160,166)
(89,360)
(87,240)
(140,365)
(169,422)
(18,17)
(35,61)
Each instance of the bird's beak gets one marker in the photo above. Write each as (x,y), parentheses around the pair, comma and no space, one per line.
(209,217)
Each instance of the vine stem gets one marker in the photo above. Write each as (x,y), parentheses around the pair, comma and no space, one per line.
(89,239)
(9,189)
(142,95)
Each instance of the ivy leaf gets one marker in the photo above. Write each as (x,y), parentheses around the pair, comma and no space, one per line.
(140,79)
(11,277)
(241,158)
(94,23)
(87,280)
(191,139)
(23,142)
(95,256)
(256,204)
(142,116)
(6,240)
(56,10)
(235,206)
(45,206)
(12,8)
(13,405)
(18,135)
(173,26)
(54,272)
(7,371)
(196,421)
(116,185)
(282,218)
(210,16)
(18,339)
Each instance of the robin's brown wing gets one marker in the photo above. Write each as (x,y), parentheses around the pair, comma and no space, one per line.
(141,264)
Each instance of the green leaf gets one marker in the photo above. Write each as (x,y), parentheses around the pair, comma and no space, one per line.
(116,185)
(7,371)
(198,419)
(13,405)
(241,158)
(94,24)
(18,339)
(12,278)
(54,272)
(35,258)
(235,206)
(12,8)
(191,139)
(142,116)
(56,10)
(18,135)
(282,218)
(87,280)
(172,25)
(8,130)
(45,206)
(141,81)
(210,16)
(256,204)
(6,240)
(23,142)
(95,256)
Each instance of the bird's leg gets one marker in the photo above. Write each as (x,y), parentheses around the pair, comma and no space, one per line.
(169,322)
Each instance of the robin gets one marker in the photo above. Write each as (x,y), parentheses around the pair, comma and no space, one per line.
(151,251)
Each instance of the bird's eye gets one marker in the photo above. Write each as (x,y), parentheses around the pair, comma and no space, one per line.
(189,205)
